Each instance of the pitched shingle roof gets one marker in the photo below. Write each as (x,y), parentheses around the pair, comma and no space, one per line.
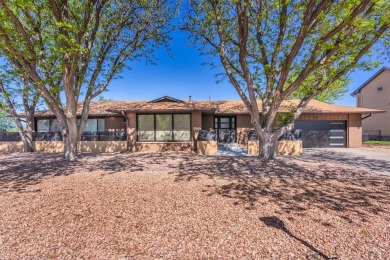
(112,108)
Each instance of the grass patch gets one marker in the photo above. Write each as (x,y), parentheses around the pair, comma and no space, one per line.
(378,142)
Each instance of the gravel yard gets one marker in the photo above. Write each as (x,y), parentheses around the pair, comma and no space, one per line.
(376,148)
(181,206)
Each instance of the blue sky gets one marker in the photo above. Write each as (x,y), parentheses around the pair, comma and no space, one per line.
(184,76)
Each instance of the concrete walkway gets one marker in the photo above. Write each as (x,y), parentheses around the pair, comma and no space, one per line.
(373,161)
(231,149)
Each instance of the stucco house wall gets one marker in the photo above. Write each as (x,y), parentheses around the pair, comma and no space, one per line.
(354,125)
(243,126)
(58,146)
(120,115)
(371,97)
(207,121)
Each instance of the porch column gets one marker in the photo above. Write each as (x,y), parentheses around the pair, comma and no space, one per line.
(132,131)
(354,131)
(196,127)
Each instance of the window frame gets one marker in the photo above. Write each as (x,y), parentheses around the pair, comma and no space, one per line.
(36,124)
(155,126)
(232,121)
(54,118)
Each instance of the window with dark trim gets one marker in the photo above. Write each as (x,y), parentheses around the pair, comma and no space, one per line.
(51,125)
(164,127)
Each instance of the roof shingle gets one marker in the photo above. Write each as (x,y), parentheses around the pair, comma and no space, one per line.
(111,108)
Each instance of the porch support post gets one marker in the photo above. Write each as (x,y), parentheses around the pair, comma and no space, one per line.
(132,131)
(354,131)
(196,127)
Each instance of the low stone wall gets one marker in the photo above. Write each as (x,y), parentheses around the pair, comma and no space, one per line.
(207,147)
(58,146)
(283,147)
(162,147)
(102,146)
(11,147)
(253,147)
(286,147)
(49,146)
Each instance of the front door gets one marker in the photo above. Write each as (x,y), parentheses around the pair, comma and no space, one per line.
(226,128)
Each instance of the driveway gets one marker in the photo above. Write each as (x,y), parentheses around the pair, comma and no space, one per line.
(371,160)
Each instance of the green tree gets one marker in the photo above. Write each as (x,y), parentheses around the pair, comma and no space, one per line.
(275,50)
(74,48)
(16,94)
(6,122)
(103,99)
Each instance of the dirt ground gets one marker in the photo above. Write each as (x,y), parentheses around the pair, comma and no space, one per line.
(180,206)
(373,147)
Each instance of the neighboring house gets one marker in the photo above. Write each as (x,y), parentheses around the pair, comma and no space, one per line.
(171,124)
(375,93)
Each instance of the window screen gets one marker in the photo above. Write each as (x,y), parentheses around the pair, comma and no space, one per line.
(54,126)
(182,127)
(43,125)
(91,125)
(164,127)
(146,128)
(101,125)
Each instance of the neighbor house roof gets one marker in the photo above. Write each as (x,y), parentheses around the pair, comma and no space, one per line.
(369,80)
(112,108)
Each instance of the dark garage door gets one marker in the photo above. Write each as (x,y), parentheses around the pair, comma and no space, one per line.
(322,134)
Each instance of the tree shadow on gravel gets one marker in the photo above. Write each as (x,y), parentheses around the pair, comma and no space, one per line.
(290,187)
(275,222)
(19,171)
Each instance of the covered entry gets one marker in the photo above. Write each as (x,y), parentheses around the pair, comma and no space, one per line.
(323,134)
(226,128)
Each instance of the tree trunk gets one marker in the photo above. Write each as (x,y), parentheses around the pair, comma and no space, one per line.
(28,133)
(25,136)
(70,148)
(267,146)
(71,139)
(28,146)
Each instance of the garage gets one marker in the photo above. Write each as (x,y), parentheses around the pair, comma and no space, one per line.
(322,134)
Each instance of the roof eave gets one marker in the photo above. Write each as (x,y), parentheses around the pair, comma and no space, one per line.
(369,80)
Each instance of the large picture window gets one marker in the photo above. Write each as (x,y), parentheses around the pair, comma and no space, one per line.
(146,127)
(51,125)
(164,127)
(43,125)
(94,125)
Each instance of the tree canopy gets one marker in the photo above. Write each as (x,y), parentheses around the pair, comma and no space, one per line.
(280,49)
(69,51)
(19,97)
(6,122)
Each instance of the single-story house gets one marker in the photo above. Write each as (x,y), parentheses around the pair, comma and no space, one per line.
(167,123)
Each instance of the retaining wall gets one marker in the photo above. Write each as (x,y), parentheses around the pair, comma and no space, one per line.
(58,146)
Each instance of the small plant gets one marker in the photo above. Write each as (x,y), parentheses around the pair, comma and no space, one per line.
(364,233)
(378,142)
